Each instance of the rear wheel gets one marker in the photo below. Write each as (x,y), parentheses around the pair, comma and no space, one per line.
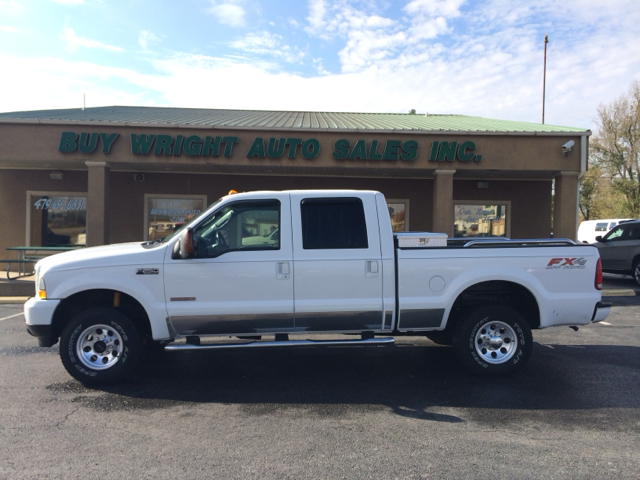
(99,345)
(494,340)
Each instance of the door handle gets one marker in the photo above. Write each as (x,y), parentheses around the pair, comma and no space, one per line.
(372,268)
(283,270)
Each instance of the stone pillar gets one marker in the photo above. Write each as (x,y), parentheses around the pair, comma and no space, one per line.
(565,206)
(97,203)
(443,202)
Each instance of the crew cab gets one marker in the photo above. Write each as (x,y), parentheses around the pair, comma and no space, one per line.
(282,268)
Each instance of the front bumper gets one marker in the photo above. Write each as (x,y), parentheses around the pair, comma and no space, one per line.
(39,318)
(601,312)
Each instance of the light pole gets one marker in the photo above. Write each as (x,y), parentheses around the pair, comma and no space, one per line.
(544,73)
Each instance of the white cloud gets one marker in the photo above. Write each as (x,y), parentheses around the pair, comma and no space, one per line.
(74,42)
(265,43)
(371,38)
(11,7)
(49,83)
(318,64)
(69,2)
(228,12)
(490,66)
(144,38)
(444,8)
(8,29)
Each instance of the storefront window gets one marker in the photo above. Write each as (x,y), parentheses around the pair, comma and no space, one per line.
(57,220)
(399,213)
(166,213)
(480,220)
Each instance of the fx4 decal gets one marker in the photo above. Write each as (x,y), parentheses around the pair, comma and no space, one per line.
(556,263)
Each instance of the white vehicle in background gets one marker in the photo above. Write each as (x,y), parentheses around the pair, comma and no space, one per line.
(330,265)
(590,229)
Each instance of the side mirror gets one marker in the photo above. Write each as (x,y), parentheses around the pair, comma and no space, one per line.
(599,238)
(184,247)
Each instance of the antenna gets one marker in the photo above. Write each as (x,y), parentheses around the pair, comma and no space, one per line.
(84,102)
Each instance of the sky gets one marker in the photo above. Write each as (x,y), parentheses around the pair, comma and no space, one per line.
(469,57)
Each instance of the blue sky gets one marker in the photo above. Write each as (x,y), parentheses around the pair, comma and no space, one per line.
(438,56)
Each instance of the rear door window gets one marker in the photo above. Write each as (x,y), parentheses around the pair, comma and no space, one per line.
(333,223)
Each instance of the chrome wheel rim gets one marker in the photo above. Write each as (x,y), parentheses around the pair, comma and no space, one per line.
(636,273)
(496,342)
(99,347)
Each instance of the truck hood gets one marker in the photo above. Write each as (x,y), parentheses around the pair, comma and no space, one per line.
(104,256)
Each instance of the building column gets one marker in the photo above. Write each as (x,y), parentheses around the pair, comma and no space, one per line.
(565,206)
(97,203)
(443,202)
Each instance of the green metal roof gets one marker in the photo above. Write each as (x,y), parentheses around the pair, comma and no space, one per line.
(258,119)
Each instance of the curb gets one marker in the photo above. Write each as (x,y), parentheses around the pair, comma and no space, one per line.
(618,293)
(13,300)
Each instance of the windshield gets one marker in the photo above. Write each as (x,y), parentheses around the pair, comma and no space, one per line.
(190,222)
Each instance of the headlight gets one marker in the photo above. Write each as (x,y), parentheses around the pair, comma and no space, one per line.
(41,289)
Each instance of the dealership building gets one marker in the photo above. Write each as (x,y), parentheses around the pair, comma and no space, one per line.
(118,174)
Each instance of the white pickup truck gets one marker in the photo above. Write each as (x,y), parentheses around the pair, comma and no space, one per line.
(260,267)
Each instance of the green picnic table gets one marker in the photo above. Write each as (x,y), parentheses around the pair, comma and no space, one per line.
(29,255)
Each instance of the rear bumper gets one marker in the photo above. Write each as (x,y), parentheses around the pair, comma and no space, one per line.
(601,312)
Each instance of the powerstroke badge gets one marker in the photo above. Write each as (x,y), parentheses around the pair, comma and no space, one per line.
(564,263)
(147,271)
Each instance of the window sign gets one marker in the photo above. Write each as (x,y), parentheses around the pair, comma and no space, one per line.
(399,213)
(57,220)
(165,214)
(478,220)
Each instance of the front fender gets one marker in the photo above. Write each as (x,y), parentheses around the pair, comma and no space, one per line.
(146,289)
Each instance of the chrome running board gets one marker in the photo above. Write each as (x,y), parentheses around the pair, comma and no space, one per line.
(286,343)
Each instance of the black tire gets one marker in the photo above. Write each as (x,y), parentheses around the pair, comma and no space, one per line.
(440,337)
(100,346)
(636,271)
(493,340)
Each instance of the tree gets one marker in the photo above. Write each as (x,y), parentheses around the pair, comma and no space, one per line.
(588,193)
(615,151)
(598,199)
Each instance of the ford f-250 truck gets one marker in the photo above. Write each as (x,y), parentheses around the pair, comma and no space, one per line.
(262,266)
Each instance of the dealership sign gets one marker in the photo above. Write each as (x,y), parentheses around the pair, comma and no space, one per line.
(272,147)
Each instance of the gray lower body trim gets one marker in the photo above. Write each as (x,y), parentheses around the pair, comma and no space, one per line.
(338,321)
(420,319)
(278,323)
(264,324)
(388,319)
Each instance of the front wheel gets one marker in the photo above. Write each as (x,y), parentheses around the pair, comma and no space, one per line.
(636,271)
(494,340)
(99,346)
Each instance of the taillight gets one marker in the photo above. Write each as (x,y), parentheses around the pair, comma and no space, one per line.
(598,280)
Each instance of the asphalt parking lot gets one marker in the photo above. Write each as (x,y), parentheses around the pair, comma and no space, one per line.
(406,411)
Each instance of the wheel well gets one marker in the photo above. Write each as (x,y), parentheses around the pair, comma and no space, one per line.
(635,261)
(495,293)
(81,301)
